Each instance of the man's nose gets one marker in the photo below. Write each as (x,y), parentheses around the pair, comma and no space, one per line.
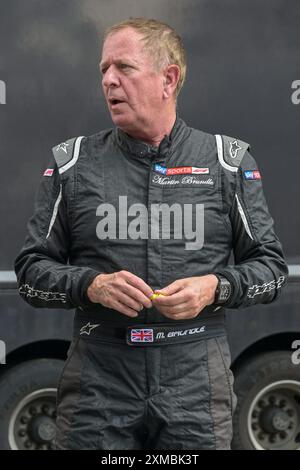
(110,78)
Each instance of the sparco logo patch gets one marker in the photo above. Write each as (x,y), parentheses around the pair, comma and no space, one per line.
(48,172)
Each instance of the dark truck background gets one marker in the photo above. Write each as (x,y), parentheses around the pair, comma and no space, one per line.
(244,81)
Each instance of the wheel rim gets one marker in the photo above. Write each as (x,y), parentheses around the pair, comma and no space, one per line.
(32,423)
(273,420)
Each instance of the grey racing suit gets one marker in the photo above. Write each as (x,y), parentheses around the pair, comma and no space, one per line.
(101,208)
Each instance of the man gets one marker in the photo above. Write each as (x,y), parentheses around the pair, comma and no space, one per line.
(150,206)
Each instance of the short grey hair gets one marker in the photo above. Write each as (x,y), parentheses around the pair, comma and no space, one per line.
(161,41)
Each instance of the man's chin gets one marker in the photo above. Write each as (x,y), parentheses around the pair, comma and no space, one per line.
(121,121)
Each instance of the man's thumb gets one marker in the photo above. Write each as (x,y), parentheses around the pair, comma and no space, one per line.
(168,290)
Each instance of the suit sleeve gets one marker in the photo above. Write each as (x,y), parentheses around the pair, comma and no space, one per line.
(45,278)
(260,270)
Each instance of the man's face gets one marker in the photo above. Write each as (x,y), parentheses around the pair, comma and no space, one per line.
(129,76)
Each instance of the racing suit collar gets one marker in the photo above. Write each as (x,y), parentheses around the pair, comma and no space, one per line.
(137,148)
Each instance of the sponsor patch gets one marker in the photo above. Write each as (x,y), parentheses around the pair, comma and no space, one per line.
(144,335)
(160,169)
(48,172)
(252,175)
(181,170)
(200,171)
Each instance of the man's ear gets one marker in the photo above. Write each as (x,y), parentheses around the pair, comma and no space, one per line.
(171,78)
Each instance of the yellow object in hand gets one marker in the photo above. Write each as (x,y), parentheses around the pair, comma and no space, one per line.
(154,296)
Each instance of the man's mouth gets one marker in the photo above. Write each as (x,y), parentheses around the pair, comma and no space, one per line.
(115,102)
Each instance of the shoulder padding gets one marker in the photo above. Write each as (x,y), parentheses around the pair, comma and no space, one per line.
(231,151)
(66,153)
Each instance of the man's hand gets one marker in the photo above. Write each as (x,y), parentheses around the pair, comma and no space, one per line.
(185,298)
(121,291)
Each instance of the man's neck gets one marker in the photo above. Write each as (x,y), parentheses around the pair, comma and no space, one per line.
(154,135)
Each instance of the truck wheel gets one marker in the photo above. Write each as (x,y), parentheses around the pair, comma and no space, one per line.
(28,405)
(267,415)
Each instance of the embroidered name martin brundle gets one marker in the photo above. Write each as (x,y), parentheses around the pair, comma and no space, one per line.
(181,170)
(252,175)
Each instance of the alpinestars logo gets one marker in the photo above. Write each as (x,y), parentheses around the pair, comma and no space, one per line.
(234,148)
(86,329)
(266,287)
(63,146)
(28,291)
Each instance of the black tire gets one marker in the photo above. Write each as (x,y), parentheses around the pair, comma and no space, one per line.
(28,404)
(267,415)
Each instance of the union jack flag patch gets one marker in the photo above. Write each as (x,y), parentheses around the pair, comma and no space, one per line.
(142,335)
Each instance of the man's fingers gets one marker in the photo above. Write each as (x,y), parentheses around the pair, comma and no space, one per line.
(170,289)
(123,309)
(137,295)
(129,302)
(175,309)
(137,282)
(171,300)
(186,315)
